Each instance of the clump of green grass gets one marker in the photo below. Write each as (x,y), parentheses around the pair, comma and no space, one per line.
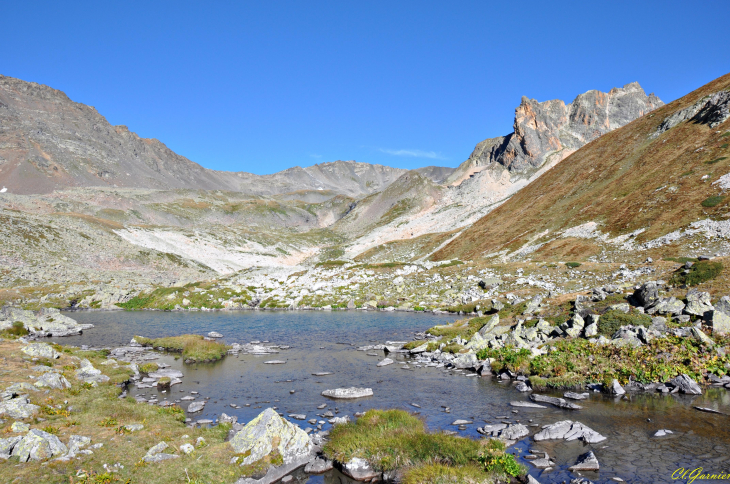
(331,263)
(700,272)
(496,460)
(716,160)
(573,265)
(681,260)
(149,367)
(414,344)
(610,322)
(390,439)
(514,360)
(712,201)
(16,330)
(192,346)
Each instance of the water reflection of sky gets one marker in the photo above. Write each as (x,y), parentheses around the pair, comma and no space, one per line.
(327,341)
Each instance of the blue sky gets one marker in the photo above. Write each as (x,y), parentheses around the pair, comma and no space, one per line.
(263,86)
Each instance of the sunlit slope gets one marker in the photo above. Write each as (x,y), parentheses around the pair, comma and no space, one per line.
(624,181)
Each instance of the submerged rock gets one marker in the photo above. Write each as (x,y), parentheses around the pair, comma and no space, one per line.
(346,393)
(558,402)
(266,433)
(585,462)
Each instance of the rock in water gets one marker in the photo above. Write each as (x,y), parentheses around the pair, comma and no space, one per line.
(615,388)
(576,396)
(569,430)
(257,439)
(320,465)
(214,334)
(386,362)
(38,445)
(352,392)
(558,402)
(196,407)
(585,462)
(359,469)
(686,385)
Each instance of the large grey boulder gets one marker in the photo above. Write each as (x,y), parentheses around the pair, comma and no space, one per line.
(490,325)
(533,305)
(615,388)
(38,445)
(40,350)
(18,408)
(466,361)
(569,430)
(348,393)
(686,385)
(258,438)
(698,303)
(720,319)
(46,322)
(667,305)
(52,380)
(647,294)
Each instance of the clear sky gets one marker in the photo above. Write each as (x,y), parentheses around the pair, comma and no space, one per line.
(262,86)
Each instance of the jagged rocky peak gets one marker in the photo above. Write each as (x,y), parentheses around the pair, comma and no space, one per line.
(549,131)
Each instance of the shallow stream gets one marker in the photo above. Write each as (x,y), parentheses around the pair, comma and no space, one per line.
(327,342)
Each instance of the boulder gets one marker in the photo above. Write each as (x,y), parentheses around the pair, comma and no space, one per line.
(196,406)
(698,303)
(591,330)
(720,321)
(38,445)
(466,361)
(647,294)
(18,408)
(518,403)
(700,336)
(533,305)
(155,454)
(359,469)
(576,396)
(386,362)
(266,433)
(348,393)
(7,445)
(558,402)
(490,325)
(569,430)
(667,305)
(19,427)
(686,385)
(615,388)
(52,380)
(585,462)
(40,350)
(87,373)
(522,387)
(319,465)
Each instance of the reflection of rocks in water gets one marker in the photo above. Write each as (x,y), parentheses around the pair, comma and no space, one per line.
(336,477)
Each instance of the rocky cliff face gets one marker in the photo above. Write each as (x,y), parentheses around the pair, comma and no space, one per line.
(49,142)
(547,132)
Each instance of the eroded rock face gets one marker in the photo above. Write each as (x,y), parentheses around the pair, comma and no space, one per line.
(266,433)
(550,130)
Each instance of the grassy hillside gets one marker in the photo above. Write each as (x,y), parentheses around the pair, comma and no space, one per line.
(624,181)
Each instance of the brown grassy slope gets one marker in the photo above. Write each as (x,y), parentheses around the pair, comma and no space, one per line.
(623,180)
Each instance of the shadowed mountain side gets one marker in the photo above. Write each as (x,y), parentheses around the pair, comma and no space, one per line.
(630,179)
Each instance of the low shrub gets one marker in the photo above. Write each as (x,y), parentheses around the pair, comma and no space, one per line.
(192,346)
(496,460)
(517,361)
(611,321)
(573,265)
(712,201)
(149,367)
(700,272)
(16,330)
(414,344)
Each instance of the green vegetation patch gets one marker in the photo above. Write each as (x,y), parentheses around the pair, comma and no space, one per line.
(681,260)
(192,346)
(331,263)
(390,439)
(611,321)
(573,265)
(700,272)
(16,330)
(716,160)
(514,360)
(712,201)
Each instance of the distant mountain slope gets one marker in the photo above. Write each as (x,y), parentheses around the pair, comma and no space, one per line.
(49,142)
(644,180)
(547,132)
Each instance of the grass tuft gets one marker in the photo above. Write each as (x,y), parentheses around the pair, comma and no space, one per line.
(192,346)
(700,272)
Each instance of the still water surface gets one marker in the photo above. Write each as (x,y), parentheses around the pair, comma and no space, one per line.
(327,341)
